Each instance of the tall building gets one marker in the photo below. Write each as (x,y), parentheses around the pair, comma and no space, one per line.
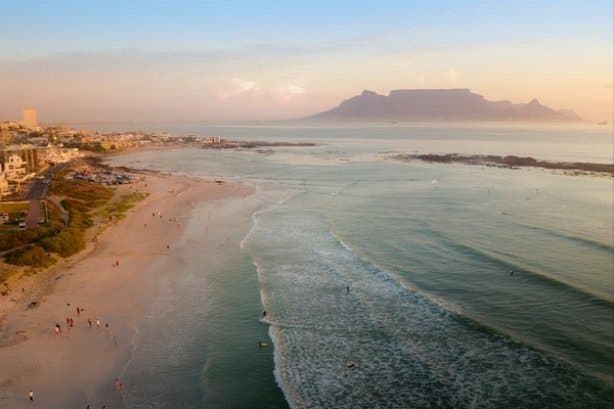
(29,117)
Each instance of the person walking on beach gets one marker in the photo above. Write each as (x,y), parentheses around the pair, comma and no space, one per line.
(31,395)
(78,310)
(97,323)
(89,322)
(57,329)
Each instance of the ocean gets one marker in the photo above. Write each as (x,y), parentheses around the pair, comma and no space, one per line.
(386,284)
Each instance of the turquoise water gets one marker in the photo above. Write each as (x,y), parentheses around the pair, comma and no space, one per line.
(433,317)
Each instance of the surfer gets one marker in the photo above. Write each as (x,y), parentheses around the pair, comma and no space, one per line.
(347,288)
(262,344)
(511,272)
(264,314)
(351,365)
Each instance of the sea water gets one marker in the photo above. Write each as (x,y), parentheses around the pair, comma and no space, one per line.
(468,286)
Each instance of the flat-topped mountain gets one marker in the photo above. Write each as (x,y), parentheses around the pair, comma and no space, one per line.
(439,104)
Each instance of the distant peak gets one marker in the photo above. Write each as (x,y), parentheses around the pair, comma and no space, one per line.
(534,101)
(368,92)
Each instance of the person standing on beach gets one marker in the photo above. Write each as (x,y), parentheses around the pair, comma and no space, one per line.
(97,323)
(31,395)
(89,322)
(57,329)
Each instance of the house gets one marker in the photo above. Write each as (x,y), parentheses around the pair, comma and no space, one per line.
(15,167)
(213,139)
(23,156)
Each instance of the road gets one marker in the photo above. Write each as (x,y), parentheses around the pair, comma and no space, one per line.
(40,185)
(38,191)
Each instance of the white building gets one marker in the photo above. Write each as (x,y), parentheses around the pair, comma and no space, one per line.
(213,139)
(15,167)
(55,154)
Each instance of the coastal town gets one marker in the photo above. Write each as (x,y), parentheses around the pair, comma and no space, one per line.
(27,150)
(53,187)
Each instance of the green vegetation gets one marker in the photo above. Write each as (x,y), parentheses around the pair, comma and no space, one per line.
(82,198)
(116,210)
(34,256)
(81,190)
(66,243)
(15,210)
(84,201)
(11,238)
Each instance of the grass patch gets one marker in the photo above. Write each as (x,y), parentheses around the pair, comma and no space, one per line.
(33,256)
(65,243)
(15,210)
(95,195)
(117,209)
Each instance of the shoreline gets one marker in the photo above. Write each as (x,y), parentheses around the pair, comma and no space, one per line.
(33,357)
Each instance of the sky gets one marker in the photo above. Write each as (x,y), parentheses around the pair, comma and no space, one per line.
(85,61)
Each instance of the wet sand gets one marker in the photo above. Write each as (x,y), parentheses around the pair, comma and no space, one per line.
(79,366)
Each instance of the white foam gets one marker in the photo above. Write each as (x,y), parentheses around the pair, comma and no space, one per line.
(408,349)
(255,215)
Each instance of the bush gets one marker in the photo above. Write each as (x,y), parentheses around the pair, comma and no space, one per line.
(91,193)
(66,243)
(10,239)
(34,256)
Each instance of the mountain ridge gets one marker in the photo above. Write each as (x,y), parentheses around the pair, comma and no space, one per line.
(452,104)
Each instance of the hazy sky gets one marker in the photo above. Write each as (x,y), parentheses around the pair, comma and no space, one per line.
(225,60)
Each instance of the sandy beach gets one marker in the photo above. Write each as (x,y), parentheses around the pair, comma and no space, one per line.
(80,365)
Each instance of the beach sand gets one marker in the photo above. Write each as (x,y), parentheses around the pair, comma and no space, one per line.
(79,366)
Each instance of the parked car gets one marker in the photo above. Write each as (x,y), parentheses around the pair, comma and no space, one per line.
(21,225)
